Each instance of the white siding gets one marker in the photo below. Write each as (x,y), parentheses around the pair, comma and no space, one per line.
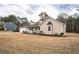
(24,29)
(56,27)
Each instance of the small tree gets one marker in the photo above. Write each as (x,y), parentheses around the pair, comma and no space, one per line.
(10,18)
(62,17)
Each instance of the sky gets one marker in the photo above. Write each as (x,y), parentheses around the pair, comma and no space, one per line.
(31,11)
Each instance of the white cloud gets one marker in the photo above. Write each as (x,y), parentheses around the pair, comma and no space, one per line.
(73,11)
(31,12)
(23,11)
(51,11)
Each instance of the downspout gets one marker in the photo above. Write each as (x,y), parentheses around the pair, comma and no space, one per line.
(64,28)
(52,29)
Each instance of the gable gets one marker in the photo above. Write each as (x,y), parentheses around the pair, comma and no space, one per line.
(56,21)
(48,18)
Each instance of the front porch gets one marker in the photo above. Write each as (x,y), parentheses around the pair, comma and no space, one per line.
(30,29)
(34,29)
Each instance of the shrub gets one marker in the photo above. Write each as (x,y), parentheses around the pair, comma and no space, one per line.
(41,32)
(61,34)
(24,32)
(1,26)
(56,34)
(34,33)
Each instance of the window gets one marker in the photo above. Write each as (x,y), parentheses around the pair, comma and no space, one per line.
(49,23)
(30,28)
(37,28)
(49,28)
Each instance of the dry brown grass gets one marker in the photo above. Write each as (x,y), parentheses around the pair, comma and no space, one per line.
(14,42)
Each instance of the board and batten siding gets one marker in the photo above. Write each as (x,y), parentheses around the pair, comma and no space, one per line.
(57,27)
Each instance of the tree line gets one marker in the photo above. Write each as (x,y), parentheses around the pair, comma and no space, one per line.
(14,19)
(71,21)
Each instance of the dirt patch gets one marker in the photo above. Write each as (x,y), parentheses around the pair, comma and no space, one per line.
(14,42)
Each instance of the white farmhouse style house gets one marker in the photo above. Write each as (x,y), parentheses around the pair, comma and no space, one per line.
(46,25)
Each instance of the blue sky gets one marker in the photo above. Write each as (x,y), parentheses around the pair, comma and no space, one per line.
(31,11)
